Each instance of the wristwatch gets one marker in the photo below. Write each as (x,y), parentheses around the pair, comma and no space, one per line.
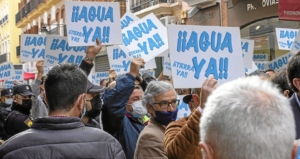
(89,59)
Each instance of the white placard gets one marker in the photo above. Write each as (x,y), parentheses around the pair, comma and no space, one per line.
(252,69)
(198,52)
(146,38)
(58,51)
(9,83)
(127,19)
(247,48)
(166,64)
(7,71)
(296,45)
(260,57)
(280,62)
(285,37)
(96,77)
(119,61)
(262,65)
(32,47)
(150,72)
(87,21)
(183,108)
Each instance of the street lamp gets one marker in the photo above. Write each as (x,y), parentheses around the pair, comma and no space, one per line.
(44,30)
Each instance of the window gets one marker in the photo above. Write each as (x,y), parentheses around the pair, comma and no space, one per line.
(8,46)
(5,51)
(264,35)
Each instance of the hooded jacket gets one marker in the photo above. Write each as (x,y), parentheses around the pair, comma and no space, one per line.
(63,137)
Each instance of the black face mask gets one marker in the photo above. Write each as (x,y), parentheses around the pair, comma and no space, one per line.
(24,108)
(27,104)
(96,107)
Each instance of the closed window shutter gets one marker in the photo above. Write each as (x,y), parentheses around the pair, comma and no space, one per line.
(101,63)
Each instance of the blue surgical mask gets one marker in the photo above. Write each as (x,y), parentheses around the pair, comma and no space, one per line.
(165,118)
(8,101)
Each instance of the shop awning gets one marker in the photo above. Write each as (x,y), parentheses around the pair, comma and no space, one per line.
(28,76)
(289,10)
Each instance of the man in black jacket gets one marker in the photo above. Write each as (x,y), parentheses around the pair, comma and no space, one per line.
(6,101)
(19,119)
(63,134)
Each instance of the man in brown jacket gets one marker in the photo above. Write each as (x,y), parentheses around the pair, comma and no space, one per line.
(182,136)
(160,99)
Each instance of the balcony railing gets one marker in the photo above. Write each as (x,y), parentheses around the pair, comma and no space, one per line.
(6,17)
(29,7)
(3,58)
(60,29)
(18,51)
(18,17)
(142,4)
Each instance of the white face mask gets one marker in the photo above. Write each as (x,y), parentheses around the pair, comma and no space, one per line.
(138,109)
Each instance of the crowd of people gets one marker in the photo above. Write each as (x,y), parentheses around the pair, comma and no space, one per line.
(63,115)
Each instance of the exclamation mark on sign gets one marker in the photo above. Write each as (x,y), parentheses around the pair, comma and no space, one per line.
(221,68)
(107,34)
(226,68)
(114,54)
(103,34)
(179,41)
(158,40)
(184,41)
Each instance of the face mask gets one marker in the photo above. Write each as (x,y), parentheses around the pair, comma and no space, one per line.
(96,107)
(165,118)
(8,101)
(138,109)
(27,104)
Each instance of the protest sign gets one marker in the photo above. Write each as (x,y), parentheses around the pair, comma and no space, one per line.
(252,69)
(167,64)
(9,83)
(58,51)
(87,21)
(285,37)
(200,51)
(260,57)
(296,45)
(262,65)
(119,61)
(247,48)
(47,69)
(280,62)
(32,47)
(150,72)
(101,75)
(146,38)
(183,108)
(127,19)
(7,71)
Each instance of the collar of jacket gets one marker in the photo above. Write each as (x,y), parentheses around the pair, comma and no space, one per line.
(158,125)
(52,123)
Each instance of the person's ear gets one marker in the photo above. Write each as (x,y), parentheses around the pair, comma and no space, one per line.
(296,83)
(208,153)
(295,149)
(286,93)
(45,99)
(150,110)
(80,102)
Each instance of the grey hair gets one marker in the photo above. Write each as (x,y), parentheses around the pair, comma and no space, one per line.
(155,88)
(248,118)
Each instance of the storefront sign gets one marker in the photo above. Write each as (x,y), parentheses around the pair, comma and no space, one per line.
(242,12)
(208,16)
(289,10)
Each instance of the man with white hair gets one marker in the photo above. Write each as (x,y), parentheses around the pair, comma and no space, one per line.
(250,119)
(161,101)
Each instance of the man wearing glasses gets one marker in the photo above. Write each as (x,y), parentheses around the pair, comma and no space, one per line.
(161,101)
(18,120)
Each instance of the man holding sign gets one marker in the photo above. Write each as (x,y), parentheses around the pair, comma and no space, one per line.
(123,115)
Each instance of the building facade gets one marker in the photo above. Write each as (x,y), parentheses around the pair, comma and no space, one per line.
(9,33)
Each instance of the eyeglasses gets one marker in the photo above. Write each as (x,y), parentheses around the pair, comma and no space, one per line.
(165,105)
